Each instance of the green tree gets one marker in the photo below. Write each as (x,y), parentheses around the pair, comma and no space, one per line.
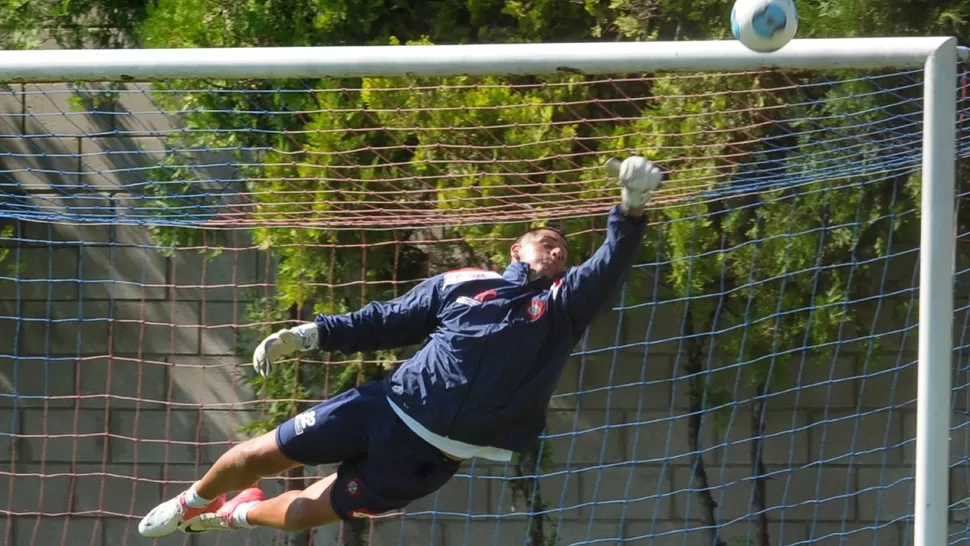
(6,232)
(758,275)
(708,19)
(311,276)
(767,280)
(775,259)
(26,24)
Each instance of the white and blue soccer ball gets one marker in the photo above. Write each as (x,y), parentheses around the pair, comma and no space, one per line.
(764,25)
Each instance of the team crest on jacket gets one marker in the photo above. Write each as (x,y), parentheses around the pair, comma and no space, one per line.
(353,487)
(536,308)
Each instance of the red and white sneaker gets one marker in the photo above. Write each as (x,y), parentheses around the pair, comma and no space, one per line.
(166,518)
(223,519)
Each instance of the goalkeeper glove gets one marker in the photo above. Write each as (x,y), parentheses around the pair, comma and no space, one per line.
(637,176)
(283,344)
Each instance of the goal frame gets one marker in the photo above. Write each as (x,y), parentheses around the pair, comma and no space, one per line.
(938,56)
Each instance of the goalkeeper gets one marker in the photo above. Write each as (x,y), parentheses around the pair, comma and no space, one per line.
(480,387)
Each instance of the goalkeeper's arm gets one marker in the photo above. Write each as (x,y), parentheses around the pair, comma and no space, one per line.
(587,290)
(403,321)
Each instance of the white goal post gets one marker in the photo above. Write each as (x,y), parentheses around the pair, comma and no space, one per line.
(937,56)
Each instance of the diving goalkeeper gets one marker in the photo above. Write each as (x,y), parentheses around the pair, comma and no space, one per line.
(480,386)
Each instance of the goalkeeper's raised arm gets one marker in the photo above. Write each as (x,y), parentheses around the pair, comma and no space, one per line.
(496,346)
(587,290)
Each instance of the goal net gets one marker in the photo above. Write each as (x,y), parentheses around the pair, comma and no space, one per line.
(755,383)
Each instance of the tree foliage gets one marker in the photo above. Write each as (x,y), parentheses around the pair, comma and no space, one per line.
(764,275)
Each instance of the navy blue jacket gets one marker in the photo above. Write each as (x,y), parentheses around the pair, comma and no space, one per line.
(498,342)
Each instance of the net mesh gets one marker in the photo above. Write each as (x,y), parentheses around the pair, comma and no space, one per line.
(755,383)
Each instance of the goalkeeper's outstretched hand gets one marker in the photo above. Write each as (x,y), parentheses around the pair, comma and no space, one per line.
(281,345)
(637,176)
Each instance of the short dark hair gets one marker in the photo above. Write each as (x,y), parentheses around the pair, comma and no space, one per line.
(556,228)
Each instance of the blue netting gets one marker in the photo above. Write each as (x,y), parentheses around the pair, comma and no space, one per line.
(754,385)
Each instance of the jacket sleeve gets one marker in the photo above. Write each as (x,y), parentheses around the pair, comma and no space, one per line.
(587,290)
(403,321)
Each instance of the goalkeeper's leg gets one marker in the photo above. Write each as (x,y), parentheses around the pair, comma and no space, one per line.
(398,472)
(244,465)
(384,467)
(238,469)
(290,511)
(390,468)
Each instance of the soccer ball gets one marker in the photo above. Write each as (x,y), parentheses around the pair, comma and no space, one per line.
(764,25)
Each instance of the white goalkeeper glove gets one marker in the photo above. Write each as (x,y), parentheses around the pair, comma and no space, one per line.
(637,176)
(283,344)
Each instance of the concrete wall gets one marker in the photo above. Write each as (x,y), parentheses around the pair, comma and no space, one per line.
(121,385)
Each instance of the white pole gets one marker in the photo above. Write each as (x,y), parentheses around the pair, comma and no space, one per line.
(478,59)
(937,247)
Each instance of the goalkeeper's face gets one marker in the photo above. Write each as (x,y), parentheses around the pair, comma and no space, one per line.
(544,250)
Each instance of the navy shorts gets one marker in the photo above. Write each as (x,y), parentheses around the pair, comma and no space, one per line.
(384,465)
